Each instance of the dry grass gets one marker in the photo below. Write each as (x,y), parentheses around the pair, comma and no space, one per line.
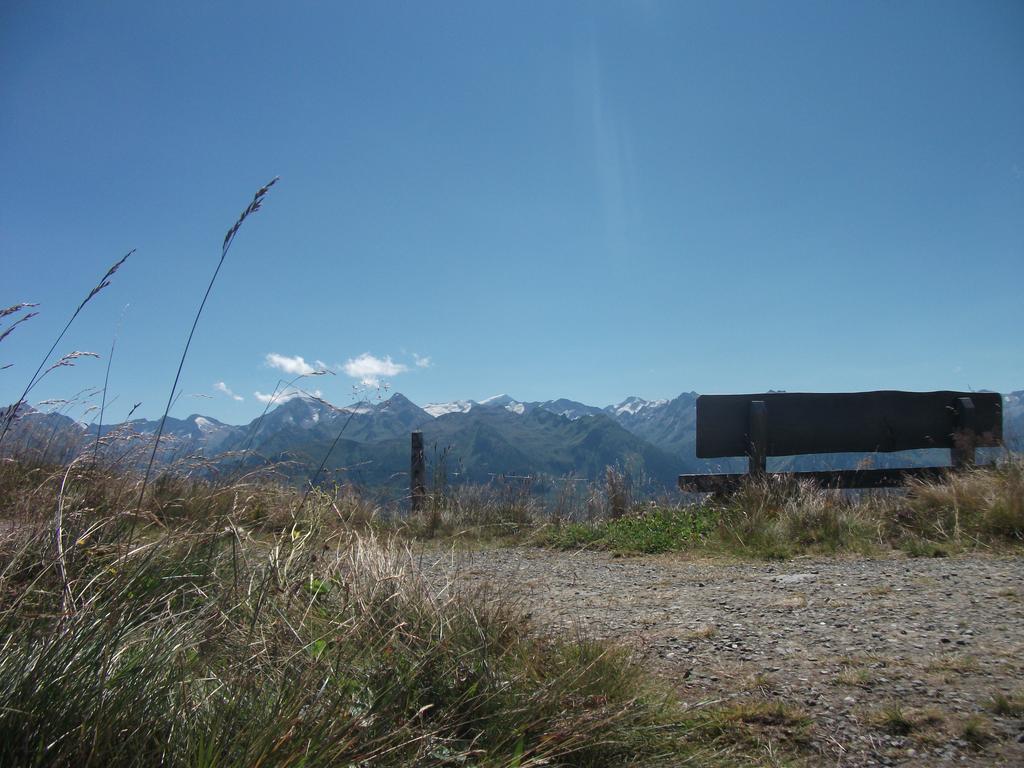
(10,414)
(857,677)
(225,633)
(952,662)
(983,504)
(777,518)
(893,718)
(705,632)
(799,600)
(755,731)
(494,511)
(1003,705)
(977,731)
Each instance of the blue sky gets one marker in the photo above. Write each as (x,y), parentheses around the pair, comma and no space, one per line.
(584,200)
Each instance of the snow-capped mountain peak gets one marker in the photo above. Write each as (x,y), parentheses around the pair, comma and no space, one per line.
(363,407)
(203,424)
(456,406)
(569,409)
(497,400)
(505,401)
(464,406)
(633,405)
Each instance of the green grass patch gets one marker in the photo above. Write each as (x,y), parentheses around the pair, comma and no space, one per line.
(655,531)
(1007,706)
(895,720)
(915,546)
(770,732)
(977,731)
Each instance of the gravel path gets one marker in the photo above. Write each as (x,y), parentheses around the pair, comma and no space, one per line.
(846,640)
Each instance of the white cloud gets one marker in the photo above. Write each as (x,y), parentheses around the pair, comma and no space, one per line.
(369,369)
(422,361)
(295,366)
(284,395)
(220,386)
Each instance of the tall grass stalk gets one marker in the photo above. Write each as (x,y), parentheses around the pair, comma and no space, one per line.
(279,390)
(10,311)
(103,400)
(323,463)
(229,239)
(103,283)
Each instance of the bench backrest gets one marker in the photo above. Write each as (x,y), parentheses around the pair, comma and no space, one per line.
(802,423)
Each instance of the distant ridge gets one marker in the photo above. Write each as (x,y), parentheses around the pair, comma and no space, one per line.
(480,439)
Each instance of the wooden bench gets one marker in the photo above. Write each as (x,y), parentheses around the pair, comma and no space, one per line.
(798,423)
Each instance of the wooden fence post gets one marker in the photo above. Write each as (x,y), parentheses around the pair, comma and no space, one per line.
(757,465)
(417,473)
(965,437)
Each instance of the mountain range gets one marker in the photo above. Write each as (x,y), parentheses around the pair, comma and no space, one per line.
(367,443)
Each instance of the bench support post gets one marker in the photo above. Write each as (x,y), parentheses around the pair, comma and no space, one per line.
(965,438)
(758,454)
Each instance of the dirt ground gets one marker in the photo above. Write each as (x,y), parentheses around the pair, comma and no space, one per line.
(896,661)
